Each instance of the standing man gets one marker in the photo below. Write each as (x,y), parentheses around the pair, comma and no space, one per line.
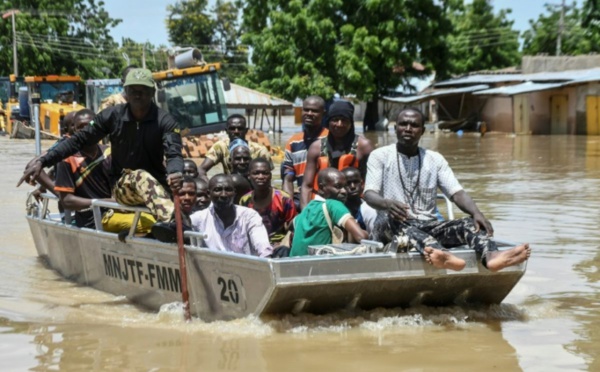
(403,179)
(294,163)
(229,227)
(275,207)
(341,148)
(219,152)
(141,136)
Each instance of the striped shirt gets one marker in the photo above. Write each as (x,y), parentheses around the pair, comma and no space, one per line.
(296,153)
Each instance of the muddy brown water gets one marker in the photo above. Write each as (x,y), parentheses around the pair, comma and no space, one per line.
(537,189)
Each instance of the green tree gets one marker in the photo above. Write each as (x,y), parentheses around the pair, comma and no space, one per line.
(577,36)
(227,47)
(481,40)
(156,58)
(59,37)
(360,47)
(189,24)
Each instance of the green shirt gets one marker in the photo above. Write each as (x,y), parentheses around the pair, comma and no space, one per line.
(311,228)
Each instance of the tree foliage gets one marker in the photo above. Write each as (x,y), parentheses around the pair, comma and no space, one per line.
(481,40)
(189,24)
(580,33)
(360,47)
(215,33)
(59,37)
(155,56)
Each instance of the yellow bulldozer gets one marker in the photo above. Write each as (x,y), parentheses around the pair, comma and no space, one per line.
(192,92)
(9,102)
(58,96)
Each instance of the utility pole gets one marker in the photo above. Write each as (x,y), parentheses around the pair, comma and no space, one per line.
(12,13)
(561,28)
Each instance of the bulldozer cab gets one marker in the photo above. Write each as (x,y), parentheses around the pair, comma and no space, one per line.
(194,96)
(9,103)
(98,89)
(58,96)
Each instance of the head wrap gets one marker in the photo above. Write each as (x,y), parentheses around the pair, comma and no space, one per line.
(341,108)
(237,143)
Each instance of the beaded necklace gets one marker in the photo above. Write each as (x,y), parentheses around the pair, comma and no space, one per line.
(409,193)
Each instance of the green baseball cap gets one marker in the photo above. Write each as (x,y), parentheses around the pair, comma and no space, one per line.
(139,76)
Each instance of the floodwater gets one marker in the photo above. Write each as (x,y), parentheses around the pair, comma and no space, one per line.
(537,189)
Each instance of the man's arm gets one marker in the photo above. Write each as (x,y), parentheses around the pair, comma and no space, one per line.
(259,238)
(364,148)
(396,209)
(353,228)
(288,173)
(203,169)
(172,150)
(467,205)
(310,173)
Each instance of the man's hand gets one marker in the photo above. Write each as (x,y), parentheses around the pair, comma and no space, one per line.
(397,210)
(31,172)
(175,181)
(481,222)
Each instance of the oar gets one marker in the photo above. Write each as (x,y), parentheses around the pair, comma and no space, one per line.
(185,297)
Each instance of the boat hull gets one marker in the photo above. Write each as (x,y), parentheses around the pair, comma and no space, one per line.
(225,285)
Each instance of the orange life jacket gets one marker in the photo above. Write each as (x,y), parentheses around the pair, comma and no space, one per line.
(347,160)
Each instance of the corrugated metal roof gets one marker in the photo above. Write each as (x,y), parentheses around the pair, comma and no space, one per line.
(437,93)
(511,90)
(564,76)
(242,97)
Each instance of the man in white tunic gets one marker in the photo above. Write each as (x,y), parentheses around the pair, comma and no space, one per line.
(403,180)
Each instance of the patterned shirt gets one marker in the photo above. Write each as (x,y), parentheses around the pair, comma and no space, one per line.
(85,177)
(246,235)
(219,153)
(396,176)
(296,152)
(282,210)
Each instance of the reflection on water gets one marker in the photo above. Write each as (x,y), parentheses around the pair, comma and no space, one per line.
(537,189)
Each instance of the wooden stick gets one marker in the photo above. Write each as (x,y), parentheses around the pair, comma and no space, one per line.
(185,297)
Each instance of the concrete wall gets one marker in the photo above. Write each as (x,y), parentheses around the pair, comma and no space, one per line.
(533,64)
(498,114)
(591,89)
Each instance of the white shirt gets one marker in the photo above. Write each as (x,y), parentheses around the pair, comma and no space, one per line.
(385,167)
(246,235)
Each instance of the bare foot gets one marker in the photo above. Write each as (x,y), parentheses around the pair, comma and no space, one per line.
(443,260)
(498,260)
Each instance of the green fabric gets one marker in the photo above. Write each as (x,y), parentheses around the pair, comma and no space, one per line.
(139,76)
(310,226)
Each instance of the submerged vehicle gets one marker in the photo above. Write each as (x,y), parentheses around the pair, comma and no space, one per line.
(225,285)
(58,96)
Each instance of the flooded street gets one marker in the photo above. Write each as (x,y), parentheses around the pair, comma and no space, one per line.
(537,189)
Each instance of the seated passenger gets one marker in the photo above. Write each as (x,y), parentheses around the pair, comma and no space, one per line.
(231,227)
(167,231)
(314,225)
(84,176)
(219,152)
(202,197)
(242,186)
(364,214)
(190,168)
(276,207)
(240,157)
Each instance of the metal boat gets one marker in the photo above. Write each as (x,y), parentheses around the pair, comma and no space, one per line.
(226,286)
